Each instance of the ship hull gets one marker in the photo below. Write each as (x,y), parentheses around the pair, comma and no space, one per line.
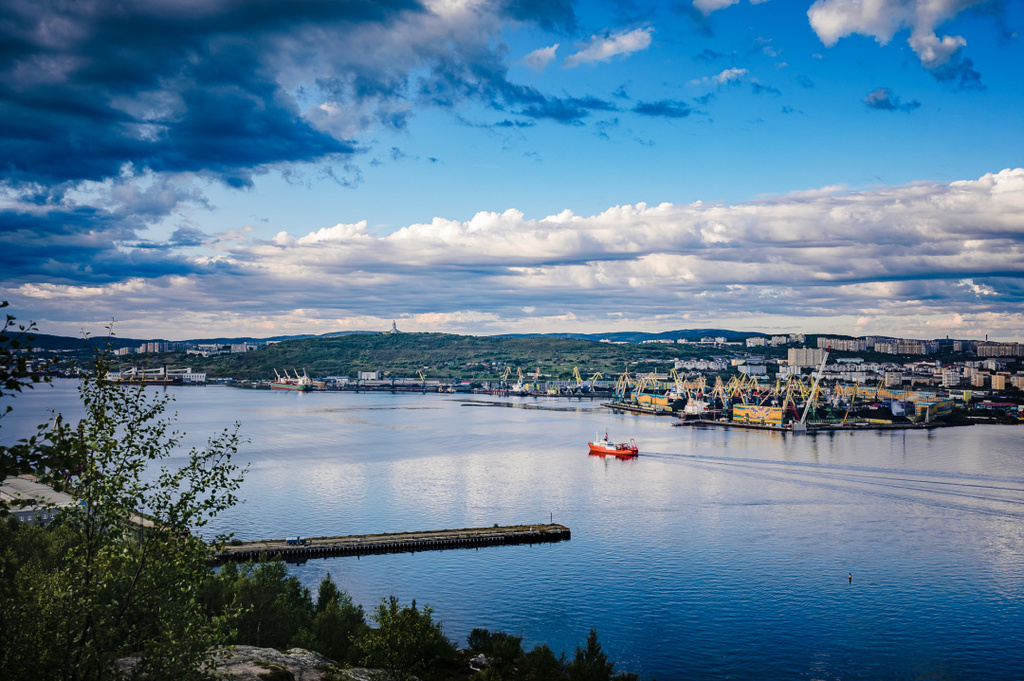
(289,386)
(623,450)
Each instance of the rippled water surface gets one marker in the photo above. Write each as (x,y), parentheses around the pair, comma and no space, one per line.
(715,554)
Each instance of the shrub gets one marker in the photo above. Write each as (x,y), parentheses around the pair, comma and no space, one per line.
(406,641)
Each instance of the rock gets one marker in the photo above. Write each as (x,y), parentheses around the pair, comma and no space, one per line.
(363,674)
(479,662)
(248,663)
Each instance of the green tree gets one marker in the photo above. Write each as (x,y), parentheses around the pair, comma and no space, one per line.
(540,664)
(16,374)
(337,623)
(272,606)
(128,579)
(590,663)
(504,653)
(508,662)
(406,641)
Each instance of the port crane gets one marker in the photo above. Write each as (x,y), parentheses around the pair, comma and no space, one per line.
(287,376)
(520,385)
(801,426)
(622,385)
(646,380)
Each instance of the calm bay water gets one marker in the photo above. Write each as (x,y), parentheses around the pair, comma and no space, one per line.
(714,555)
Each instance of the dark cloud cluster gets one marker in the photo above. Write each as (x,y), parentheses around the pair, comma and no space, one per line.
(960,73)
(49,238)
(571,110)
(80,246)
(882,99)
(552,15)
(165,85)
(228,88)
(759,89)
(708,56)
(664,108)
(481,74)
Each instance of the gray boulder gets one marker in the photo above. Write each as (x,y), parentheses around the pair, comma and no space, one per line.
(248,663)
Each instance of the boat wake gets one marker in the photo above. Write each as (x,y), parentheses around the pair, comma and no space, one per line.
(975,493)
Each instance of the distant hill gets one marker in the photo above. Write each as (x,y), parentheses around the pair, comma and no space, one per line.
(47,341)
(640,336)
(437,355)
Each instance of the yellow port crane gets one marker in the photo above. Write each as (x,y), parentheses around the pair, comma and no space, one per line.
(718,392)
(623,384)
(853,398)
(520,385)
(813,397)
(648,380)
(695,389)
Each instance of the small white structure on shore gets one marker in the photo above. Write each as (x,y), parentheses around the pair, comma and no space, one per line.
(31,501)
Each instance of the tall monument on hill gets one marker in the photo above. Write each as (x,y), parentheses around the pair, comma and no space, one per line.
(394,327)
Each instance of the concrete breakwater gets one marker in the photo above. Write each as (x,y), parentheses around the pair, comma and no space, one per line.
(300,549)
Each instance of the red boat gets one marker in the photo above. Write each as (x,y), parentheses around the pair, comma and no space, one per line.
(623,450)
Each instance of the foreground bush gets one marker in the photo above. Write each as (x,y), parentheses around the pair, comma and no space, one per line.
(508,662)
(270,609)
(406,641)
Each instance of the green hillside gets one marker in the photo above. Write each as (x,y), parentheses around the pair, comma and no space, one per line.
(438,356)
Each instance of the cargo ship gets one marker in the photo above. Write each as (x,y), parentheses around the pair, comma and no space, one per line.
(286,382)
(604,446)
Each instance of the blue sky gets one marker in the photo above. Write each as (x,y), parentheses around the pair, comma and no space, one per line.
(260,167)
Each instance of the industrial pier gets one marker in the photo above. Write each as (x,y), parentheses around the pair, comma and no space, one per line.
(814,427)
(625,406)
(299,549)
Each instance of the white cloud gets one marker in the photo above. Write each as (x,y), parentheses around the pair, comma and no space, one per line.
(539,59)
(68,292)
(603,48)
(906,259)
(729,75)
(326,68)
(706,7)
(339,232)
(882,19)
(935,51)
(725,77)
(977,289)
